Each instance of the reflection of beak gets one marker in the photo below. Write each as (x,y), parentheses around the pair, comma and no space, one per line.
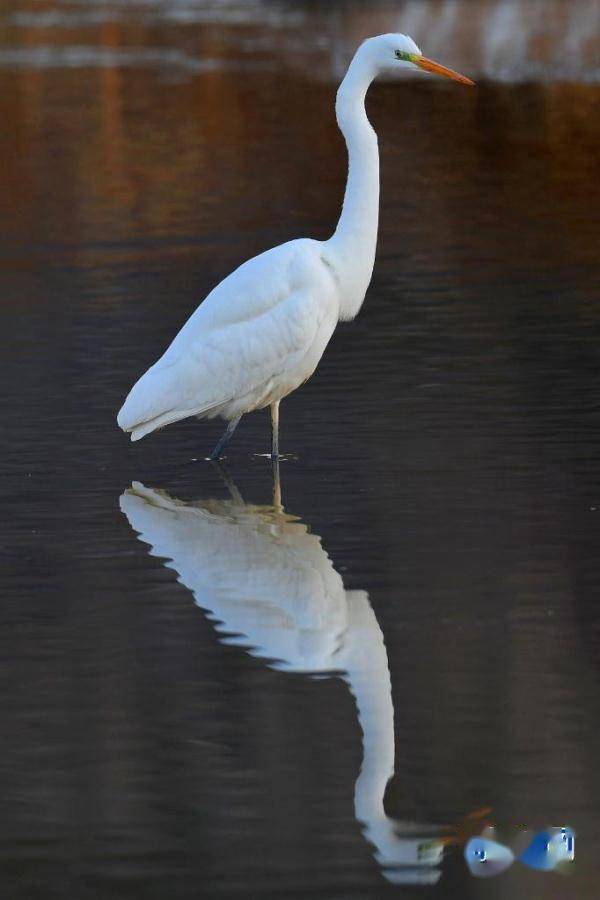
(472,825)
(423,63)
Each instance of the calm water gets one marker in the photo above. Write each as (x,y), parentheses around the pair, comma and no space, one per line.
(427,605)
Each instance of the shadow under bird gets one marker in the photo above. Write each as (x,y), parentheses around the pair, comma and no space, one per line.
(261,332)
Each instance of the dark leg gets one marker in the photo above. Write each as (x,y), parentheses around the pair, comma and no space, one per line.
(216,454)
(275,430)
(229,482)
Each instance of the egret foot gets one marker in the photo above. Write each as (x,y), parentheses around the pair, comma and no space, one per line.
(216,454)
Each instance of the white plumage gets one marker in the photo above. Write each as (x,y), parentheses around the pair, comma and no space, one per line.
(258,335)
(262,331)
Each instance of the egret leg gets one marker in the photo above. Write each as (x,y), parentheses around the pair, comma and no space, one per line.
(275,430)
(216,454)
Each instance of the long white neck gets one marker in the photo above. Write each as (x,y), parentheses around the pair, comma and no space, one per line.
(352,247)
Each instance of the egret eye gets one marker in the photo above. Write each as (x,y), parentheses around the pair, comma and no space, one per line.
(404,56)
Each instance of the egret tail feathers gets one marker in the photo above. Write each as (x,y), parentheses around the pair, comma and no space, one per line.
(157,400)
(174,415)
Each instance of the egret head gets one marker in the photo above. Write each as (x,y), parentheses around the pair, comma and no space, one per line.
(391,51)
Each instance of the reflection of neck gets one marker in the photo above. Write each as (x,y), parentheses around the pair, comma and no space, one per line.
(364,659)
(368,676)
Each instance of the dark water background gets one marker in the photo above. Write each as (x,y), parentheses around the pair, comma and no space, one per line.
(446,452)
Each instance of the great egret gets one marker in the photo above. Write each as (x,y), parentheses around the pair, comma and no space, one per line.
(262,331)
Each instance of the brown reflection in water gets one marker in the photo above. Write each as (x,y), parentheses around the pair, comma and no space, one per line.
(120,156)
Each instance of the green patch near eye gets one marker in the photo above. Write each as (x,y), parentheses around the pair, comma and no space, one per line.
(404,56)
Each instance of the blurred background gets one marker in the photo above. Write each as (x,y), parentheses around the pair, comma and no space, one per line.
(446,451)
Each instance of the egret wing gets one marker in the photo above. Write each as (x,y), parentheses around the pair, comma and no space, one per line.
(247,355)
(255,327)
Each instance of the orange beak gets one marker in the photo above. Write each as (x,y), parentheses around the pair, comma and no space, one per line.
(430,66)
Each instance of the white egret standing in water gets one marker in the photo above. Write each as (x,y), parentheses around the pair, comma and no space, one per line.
(262,331)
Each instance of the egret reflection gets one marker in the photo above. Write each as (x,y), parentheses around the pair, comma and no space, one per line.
(267,585)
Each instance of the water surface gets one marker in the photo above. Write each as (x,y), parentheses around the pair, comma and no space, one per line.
(425,603)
